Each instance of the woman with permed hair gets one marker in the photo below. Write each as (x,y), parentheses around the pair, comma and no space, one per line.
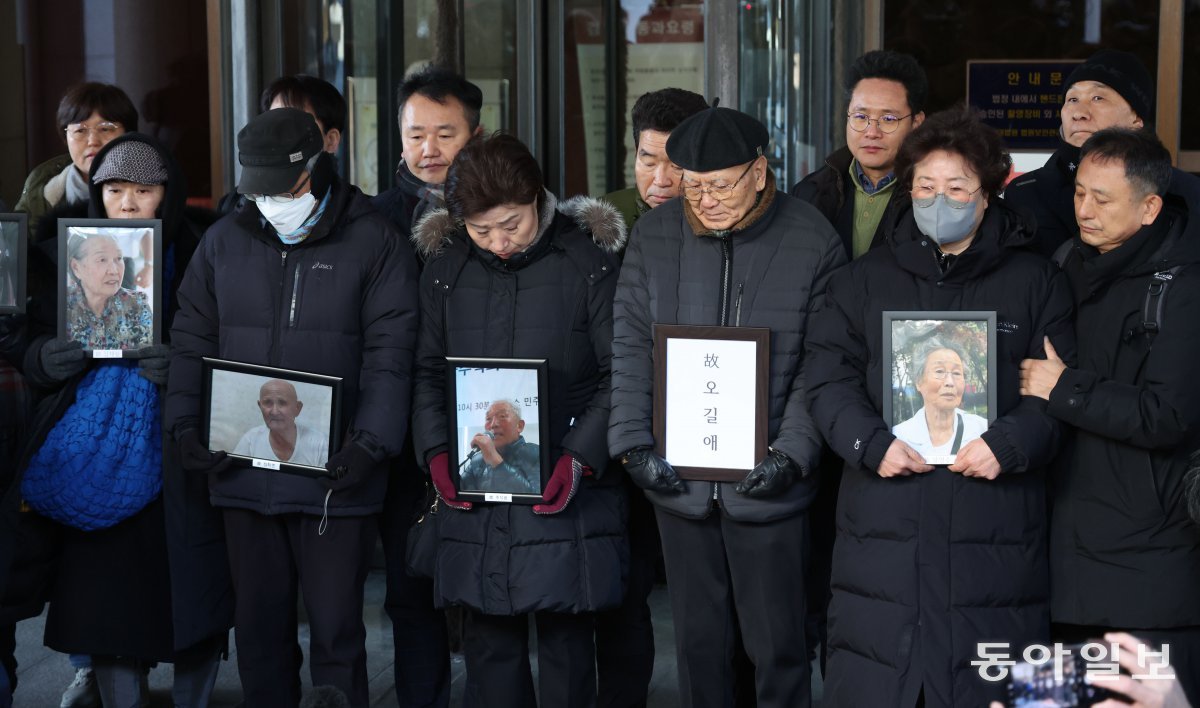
(930,560)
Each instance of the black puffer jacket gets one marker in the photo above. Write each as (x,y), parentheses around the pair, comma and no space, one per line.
(828,189)
(927,565)
(406,202)
(1048,195)
(672,275)
(554,301)
(1123,551)
(340,303)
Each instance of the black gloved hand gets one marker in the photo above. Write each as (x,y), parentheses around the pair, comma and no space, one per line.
(651,472)
(770,477)
(153,362)
(194,456)
(62,358)
(347,467)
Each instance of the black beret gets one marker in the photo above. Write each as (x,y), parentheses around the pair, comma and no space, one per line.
(274,147)
(1123,73)
(715,139)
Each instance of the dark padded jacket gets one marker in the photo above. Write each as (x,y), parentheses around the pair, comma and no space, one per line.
(340,303)
(829,190)
(672,275)
(1123,551)
(927,565)
(554,302)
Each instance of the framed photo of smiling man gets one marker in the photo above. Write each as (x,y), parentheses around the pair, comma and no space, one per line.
(939,379)
(106,302)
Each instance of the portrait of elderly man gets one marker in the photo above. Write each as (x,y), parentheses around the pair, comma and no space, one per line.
(280,437)
(501,460)
(940,427)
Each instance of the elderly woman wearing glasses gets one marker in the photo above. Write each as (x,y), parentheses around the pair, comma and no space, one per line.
(89,116)
(932,559)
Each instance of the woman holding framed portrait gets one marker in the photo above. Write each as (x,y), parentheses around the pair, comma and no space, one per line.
(513,274)
(102,486)
(913,369)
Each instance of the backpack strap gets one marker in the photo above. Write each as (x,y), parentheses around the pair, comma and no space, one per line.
(1061,253)
(1156,297)
(957,437)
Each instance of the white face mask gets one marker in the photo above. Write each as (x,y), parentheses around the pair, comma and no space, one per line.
(287,217)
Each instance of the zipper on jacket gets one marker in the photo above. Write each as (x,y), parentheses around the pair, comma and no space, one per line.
(274,354)
(726,277)
(295,294)
(737,307)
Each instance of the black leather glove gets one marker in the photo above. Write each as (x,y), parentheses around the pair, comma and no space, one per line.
(347,467)
(62,358)
(651,472)
(770,477)
(194,456)
(154,362)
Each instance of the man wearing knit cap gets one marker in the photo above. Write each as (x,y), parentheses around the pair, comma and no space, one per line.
(303,275)
(733,252)
(1111,89)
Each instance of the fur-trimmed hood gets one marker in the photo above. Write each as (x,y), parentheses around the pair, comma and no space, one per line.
(601,220)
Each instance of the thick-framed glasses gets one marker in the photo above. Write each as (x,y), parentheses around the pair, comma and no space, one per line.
(941,374)
(956,197)
(694,193)
(280,198)
(887,122)
(105,130)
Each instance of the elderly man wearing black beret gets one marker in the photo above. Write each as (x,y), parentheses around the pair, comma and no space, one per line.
(733,252)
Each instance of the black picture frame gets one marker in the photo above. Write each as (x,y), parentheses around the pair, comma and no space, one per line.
(227,386)
(14,255)
(123,232)
(761,338)
(473,386)
(909,335)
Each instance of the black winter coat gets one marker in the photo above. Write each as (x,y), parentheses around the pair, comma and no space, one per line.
(828,188)
(1123,551)
(672,275)
(554,301)
(406,202)
(927,565)
(340,303)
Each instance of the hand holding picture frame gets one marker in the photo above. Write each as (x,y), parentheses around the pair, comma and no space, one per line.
(109,284)
(498,422)
(939,379)
(13,253)
(273,419)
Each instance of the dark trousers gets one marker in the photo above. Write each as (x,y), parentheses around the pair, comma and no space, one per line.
(721,572)
(625,635)
(270,558)
(497,654)
(1183,647)
(422,652)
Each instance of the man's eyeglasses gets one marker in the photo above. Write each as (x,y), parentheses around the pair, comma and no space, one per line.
(105,130)
(280,198)
(887,122)
(694,192)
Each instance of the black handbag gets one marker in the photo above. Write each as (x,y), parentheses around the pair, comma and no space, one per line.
(420,550)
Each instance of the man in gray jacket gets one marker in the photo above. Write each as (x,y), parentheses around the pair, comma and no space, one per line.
(733,252)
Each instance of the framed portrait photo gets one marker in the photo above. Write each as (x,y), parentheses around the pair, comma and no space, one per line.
(13,245)
(710,399)
(109,280)
(497,417)
(939,379)
(272,419)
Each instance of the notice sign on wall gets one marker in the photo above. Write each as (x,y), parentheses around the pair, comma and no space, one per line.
(1020,99)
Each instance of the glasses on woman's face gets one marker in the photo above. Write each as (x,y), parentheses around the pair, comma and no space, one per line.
(280,198)
(104,130)
(693,192)
(941,374)
(957,196)
(888,123)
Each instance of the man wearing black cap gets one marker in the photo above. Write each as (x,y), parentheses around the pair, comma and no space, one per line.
(1111,89)
(304,275)
(733,252)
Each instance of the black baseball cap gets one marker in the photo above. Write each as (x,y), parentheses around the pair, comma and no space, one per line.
(274,147)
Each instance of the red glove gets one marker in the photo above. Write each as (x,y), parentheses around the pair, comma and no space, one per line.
(439,471)
(564,481)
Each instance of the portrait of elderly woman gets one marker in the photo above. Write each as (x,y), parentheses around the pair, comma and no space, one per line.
(104,307)
(940,427)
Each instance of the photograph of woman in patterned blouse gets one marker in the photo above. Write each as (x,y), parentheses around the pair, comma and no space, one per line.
(101,313)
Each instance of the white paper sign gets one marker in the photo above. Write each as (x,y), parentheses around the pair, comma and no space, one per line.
(107,353)
(710,403)
(265,464)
